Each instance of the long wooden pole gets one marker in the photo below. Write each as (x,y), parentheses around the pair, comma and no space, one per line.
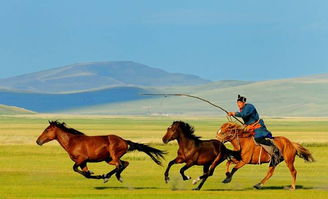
(196,97)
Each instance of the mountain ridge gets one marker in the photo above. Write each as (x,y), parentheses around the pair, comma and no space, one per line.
(97,75)
(300,96)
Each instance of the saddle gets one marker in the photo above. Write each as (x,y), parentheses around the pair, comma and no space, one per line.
(273,151)
(266,147)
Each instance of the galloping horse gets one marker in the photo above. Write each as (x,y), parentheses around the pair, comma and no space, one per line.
(82,149)
(254,154)
(194,151)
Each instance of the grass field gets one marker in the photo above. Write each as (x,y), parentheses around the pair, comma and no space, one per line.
(31,171)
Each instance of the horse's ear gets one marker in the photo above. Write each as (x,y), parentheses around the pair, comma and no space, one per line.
(49,121)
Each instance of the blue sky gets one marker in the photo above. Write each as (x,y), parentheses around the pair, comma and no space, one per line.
(245,40)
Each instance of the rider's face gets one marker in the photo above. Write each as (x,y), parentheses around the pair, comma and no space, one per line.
(240,104)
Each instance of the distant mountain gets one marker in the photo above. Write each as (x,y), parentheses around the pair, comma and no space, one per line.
(115,87)
(12,110)
(97,75)
(305,96)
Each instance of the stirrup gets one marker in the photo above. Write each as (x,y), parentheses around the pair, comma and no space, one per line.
(276,159)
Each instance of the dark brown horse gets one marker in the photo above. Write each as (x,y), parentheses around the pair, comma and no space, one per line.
(255,154)
(194,151)
(82,149)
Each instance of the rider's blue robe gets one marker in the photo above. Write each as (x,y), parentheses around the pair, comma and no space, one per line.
(249,114)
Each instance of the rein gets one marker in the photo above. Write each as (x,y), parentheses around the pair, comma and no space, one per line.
(235,135)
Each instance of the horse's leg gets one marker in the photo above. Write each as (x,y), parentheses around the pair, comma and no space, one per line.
(266,178)
(84,173)
(183,169)
(229,175)
(118,166)
(84,168)
(210,172)
(166,173)
(205,168)
(115,153)
(119,171)
(88,173)
(81,161)
(216,162)
(76,169)
(293,172)
(201,183)
(108,175)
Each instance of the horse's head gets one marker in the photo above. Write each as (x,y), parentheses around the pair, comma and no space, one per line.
(228,132)
(171,132)
(48,134)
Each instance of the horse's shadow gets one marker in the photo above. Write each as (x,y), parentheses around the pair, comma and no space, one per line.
(263,188)
(127,188)
(285,187)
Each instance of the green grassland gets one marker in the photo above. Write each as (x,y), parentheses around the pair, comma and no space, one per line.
(31,171)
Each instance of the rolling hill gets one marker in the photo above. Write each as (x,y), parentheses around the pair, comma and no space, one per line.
(97,75)
(115,87)
(13,110)
(306,96)
(55,102)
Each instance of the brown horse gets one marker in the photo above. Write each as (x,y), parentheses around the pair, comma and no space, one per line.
(82,149)
(252,153)
(194,151)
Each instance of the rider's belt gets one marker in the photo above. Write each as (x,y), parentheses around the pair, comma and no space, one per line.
(253,126)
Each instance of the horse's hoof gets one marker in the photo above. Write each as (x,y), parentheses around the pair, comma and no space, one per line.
(86,174)
(290,188)
(91,172)
(227,180)
(195,181)
(258,186)
(196,189)
(120,179)
(186,178)
(106,180)
(166,179)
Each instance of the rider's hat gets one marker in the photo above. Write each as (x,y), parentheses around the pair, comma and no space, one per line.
(241,98)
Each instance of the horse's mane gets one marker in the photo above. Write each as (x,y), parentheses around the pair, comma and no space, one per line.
(233,126)
(188,130)
(63,127)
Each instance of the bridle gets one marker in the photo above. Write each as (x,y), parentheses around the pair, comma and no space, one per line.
(234,135)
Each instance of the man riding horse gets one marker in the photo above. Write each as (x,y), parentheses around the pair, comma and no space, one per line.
(253,123)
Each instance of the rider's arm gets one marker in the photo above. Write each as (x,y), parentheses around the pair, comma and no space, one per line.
(246,111)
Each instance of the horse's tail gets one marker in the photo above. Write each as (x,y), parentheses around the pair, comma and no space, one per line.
(233,154)
(303,153)
(154,154)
